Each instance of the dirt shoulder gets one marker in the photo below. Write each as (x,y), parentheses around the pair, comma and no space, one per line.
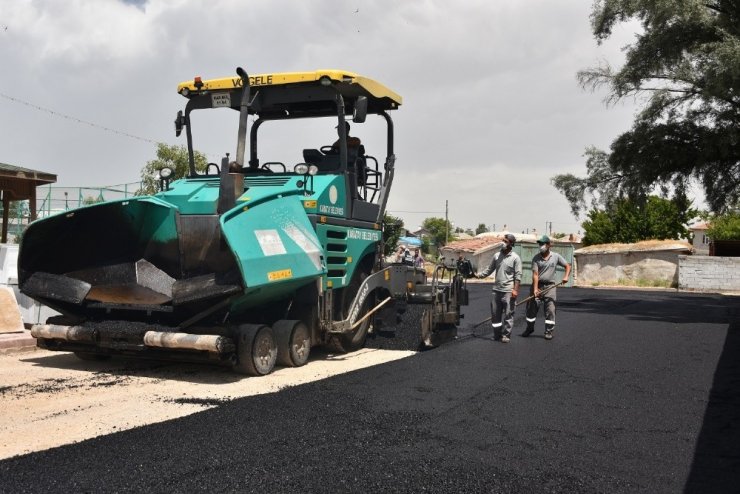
(49,399)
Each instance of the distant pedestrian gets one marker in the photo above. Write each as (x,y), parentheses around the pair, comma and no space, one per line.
(507,268)
(418,259)
(407,258)
(544,265)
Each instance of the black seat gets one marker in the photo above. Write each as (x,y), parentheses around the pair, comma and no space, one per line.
(327,162)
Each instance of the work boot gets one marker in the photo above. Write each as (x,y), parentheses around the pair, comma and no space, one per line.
(528,331)
(548,334)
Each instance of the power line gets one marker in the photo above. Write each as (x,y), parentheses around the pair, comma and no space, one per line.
(78,120)
(91,124)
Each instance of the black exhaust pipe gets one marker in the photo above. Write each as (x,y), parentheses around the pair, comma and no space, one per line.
(232,180)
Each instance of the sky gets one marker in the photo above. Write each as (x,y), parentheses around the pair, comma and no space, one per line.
(492,109)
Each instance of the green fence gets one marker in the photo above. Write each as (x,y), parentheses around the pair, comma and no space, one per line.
(52,199)
(527,251)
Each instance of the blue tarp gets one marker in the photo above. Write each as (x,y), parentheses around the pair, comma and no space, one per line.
(410,241)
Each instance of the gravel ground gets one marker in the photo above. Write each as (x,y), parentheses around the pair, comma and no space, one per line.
(636,393)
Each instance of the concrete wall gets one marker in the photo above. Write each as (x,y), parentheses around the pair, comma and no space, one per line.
(708,273)
(31,311)
(612,268)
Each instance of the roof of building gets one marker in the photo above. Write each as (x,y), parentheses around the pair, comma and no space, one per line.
(644,246)
(699,225)
(473,245)
(12,171)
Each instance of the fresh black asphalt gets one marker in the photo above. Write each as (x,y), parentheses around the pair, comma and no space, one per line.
(637,392)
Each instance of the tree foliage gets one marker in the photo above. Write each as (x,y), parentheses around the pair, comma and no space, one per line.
(175,157)
(628,221)
(17,209)
(481,228)
(393,229)
(686,64)
(88,200)
(439,229)
(725,226)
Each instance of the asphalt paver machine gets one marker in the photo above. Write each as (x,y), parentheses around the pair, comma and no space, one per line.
(252,262)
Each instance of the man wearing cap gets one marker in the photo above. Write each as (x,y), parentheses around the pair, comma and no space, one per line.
(544,266)
(352,142)
(507,267)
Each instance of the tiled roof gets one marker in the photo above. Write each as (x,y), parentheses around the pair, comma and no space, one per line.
(472,244)
(644,246)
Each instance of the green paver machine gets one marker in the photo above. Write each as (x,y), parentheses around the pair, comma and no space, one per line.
(250,263)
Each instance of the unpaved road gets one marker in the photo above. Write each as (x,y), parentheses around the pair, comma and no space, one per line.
(49,399)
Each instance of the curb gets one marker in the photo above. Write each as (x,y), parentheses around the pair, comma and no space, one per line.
(11,342)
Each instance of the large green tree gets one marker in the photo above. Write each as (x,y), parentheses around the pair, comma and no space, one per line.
(628,221)
(175,157)
(725,226)
(439,229)
(685,64)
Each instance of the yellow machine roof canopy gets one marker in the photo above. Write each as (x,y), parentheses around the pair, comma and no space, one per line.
(347,83)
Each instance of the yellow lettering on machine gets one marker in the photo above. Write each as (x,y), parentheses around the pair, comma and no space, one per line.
(283,274)
(309,204)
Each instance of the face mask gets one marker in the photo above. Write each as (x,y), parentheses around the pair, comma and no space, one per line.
(543,249)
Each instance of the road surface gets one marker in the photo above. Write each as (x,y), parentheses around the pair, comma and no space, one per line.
(637,392)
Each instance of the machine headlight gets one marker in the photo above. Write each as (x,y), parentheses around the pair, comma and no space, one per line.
(301,168)
(313,170)
(165,173)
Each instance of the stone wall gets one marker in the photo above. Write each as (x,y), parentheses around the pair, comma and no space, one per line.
(616,267)
(706,273)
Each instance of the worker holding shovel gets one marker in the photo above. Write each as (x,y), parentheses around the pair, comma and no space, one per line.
(506,266)
(544,286)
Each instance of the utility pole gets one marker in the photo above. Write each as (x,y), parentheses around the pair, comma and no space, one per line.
(447,225)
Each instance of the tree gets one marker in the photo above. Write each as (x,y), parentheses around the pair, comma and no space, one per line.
(439,229)
(393,229)
(686,63)
(725,226)
(175,157)
(629,221)
(92,200)
(481,228)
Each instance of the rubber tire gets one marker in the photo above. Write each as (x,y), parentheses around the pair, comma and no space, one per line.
(91,357)
(256,349)
(293,343)
(350,342)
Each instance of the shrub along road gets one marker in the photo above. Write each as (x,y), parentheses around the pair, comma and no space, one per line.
(636,393)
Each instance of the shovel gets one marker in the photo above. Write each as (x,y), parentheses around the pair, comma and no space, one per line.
(521,302)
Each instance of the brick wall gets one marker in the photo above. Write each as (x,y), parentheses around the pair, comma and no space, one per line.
(708,273)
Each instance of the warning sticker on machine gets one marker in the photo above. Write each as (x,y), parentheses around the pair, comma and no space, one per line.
(306,242)
(270,242)
(220,100)
(283,274)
